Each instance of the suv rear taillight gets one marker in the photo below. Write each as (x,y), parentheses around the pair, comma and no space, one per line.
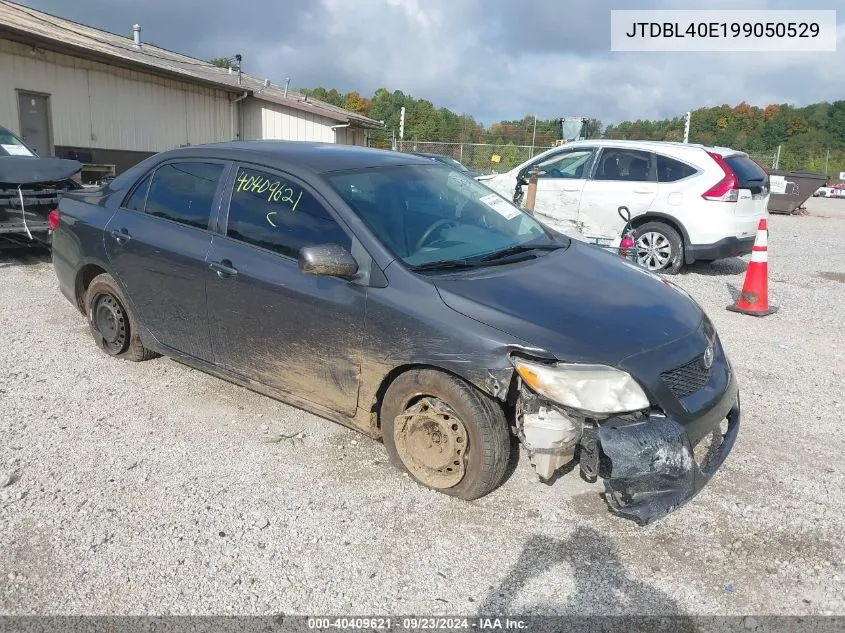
(727,189)
(54,218)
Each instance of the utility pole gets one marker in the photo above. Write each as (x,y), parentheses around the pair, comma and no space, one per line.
(777,159)
(402,124)
(826,161)
(687,118)
(533,138)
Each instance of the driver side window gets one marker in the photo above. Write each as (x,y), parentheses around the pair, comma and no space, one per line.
(571,164)
(274,211)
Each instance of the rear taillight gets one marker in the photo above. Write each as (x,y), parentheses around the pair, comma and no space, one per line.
(54,219)
(727,189)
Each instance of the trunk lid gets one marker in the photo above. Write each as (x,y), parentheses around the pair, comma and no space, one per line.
(752,203)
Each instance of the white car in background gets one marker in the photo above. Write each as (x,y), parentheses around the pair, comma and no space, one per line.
(687,202)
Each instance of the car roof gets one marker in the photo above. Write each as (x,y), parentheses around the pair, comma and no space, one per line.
(316,157)
(649,144)
(430,155)
(655,146)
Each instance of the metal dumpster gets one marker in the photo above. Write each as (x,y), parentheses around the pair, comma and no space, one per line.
(791,189)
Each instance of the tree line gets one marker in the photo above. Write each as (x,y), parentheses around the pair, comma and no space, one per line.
(425,122)
(810,138)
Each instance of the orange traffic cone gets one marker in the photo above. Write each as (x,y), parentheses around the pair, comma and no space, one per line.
(754,299)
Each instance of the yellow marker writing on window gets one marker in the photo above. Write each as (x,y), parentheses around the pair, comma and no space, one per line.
(288,197)
(270,215)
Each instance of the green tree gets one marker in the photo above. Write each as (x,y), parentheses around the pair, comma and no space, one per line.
(223,62)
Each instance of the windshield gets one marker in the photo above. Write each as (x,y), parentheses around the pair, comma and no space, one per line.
(454,163)
(431,213)
(11,145)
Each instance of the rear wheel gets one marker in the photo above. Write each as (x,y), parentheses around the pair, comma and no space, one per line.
(111,323)
(445,433)
(659,248)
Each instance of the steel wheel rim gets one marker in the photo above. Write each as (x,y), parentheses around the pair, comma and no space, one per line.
(110,321)
(654,251)
(432,442)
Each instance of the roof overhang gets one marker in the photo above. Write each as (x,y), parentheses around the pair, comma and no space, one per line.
(305,105)
(296,102)
(33,39)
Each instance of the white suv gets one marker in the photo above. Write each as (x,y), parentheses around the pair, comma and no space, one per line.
(688,202)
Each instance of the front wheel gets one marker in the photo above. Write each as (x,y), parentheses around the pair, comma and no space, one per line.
(660,248)
(445,433)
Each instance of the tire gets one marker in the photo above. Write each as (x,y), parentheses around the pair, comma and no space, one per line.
(487,436)
(665,240)
(105,308)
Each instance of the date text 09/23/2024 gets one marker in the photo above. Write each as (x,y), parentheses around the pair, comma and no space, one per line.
(416,623)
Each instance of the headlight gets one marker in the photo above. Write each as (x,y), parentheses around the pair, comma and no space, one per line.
(597,389)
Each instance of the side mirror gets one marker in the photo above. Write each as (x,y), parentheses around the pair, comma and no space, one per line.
(330,260)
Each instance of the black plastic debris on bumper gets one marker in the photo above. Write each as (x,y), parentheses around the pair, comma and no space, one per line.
(649,468)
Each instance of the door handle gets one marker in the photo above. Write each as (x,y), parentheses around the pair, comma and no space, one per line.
(571,188)
(643,190)
(122,236)
(224,269)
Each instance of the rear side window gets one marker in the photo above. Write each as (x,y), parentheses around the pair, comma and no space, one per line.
(748,172)
(624,164)
(138,197)
(184,192)
(671,170)
(274,212)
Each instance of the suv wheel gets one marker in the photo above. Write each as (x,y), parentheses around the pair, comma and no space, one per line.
(659,248)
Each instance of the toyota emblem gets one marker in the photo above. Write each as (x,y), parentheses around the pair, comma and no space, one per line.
(708,357)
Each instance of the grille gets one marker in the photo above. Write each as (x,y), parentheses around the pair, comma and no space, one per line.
(46,194)
(687,379)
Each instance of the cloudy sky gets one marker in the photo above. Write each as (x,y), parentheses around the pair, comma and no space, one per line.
(494,59)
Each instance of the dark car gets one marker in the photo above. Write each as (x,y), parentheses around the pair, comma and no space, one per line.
(30,188)
(404,299)
(451,162)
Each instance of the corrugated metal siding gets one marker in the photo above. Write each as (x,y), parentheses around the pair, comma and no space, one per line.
(271,121)
(278,122)
(251,124)
(99,106)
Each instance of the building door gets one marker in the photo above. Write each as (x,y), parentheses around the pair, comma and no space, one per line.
(35,122)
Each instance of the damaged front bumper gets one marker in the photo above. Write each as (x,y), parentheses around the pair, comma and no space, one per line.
(650,466)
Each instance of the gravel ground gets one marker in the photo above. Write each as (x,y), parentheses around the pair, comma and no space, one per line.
(152,488)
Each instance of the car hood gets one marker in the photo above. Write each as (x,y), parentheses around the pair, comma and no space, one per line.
(24,170)
(580,303)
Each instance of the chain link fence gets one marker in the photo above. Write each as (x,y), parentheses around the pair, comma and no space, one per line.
(485,158)
(830,162)
(766,160)
(490,158)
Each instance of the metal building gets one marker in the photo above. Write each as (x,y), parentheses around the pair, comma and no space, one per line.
(110,101)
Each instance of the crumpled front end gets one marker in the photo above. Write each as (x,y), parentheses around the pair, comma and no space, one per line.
(648,462)
(649,467)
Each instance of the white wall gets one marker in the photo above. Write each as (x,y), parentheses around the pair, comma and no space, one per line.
(353,136)
(94,105)
(264,120)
